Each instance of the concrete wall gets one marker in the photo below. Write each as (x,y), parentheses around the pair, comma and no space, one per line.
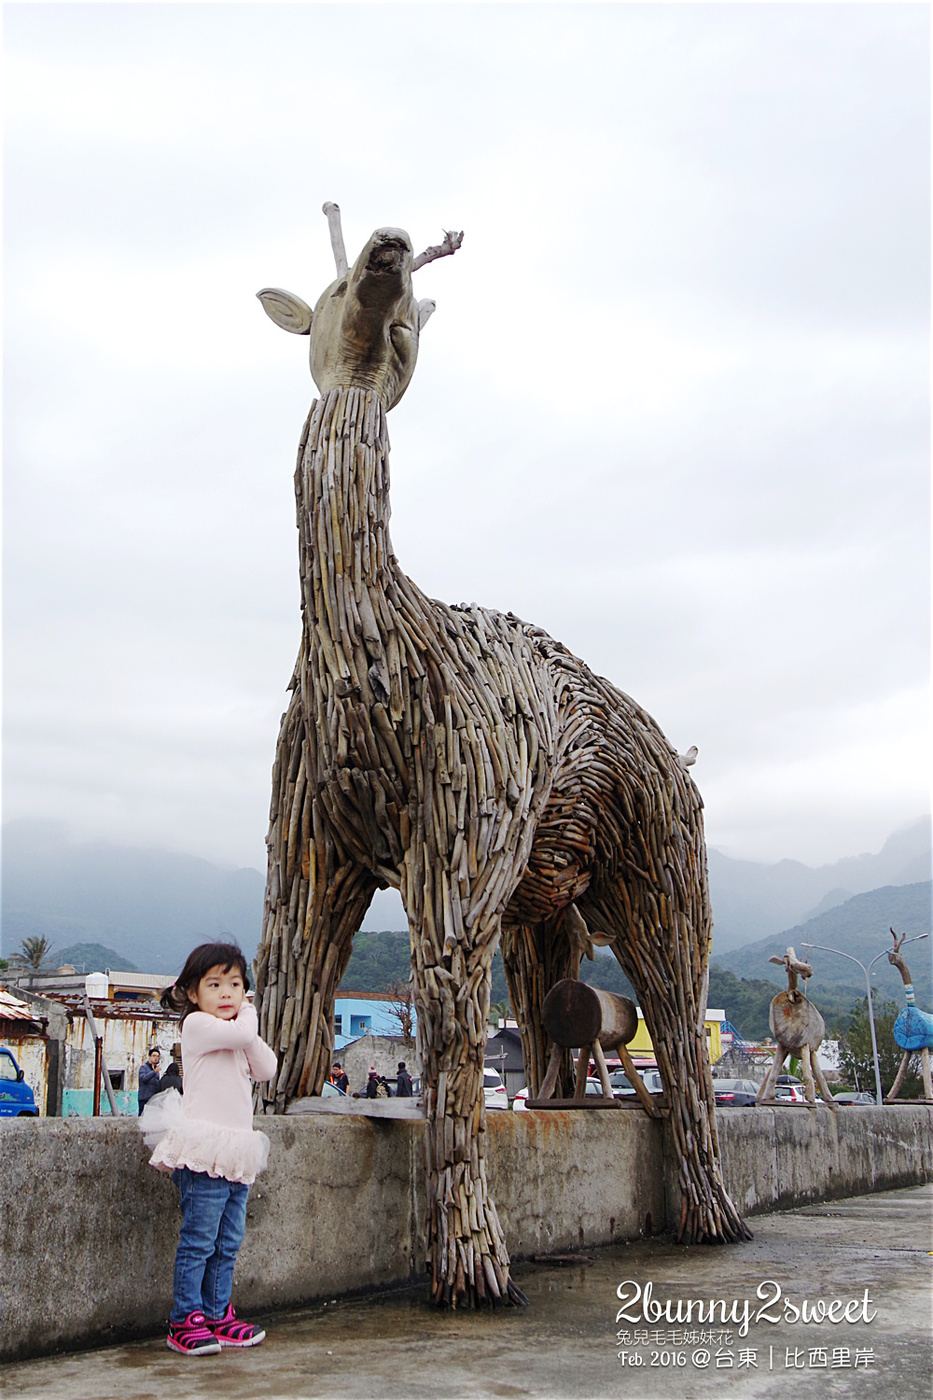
(382,1051)
(88,1229)
(777,1158)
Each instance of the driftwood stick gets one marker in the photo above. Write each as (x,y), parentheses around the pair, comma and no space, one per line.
(336,238)
(550,1080)
(602,1069)
(451,243)
(637,1083)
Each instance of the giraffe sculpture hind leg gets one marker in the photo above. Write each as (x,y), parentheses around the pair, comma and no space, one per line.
(536,957)
(679,1040)
(465,1248)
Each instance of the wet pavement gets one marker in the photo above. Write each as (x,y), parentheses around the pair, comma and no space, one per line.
(569,1342)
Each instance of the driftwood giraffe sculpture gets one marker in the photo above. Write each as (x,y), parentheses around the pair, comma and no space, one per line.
(798,1029)
(913,1029)
(470,761)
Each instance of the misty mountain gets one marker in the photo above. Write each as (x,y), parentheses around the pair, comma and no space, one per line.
(751,900)
(93,957)
(860,928)
(153,906)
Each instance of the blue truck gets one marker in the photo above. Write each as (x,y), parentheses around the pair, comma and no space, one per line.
(16,1097)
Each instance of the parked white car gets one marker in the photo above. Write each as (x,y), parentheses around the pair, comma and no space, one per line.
(494,1090)
(792,1093)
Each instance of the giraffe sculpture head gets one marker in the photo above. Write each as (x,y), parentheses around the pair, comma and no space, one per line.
(365,326)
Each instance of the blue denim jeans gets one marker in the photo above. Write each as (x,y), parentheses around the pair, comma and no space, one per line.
(213,1222)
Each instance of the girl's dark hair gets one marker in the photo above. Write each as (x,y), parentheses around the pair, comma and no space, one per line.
(199,964)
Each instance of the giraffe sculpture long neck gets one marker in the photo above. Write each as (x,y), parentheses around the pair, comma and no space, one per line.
(346,559)
(897,961)
(355,689)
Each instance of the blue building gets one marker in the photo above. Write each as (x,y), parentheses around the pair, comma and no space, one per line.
(365,1013)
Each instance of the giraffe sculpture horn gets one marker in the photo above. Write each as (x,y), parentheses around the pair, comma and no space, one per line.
(336,238)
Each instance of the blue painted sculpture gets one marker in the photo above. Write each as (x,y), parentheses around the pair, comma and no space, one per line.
(913,1029)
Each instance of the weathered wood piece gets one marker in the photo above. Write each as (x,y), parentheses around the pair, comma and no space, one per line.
(470,761)
(589,1101)
(575,1014)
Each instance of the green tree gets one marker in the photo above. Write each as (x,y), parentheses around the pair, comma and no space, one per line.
(855,1058)
(499,1011)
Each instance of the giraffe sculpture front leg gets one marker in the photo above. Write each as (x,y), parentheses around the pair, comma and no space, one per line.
(316,897)
(299,1025)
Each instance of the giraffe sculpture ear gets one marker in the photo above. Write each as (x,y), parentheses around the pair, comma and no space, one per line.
(286,310)
(426,309)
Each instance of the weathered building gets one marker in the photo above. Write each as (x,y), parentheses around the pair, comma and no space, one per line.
(53,1044)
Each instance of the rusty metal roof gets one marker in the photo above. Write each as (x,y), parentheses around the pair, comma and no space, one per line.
(12,1009)
(73,1002)
(117,1010)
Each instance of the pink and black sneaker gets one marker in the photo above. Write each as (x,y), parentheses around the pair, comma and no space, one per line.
(192,1337)
(230,1332)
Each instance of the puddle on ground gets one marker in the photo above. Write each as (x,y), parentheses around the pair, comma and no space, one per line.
(564,1346)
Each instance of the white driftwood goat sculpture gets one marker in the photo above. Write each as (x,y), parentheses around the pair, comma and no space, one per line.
(913,1029)
(798,1030)
(465,758)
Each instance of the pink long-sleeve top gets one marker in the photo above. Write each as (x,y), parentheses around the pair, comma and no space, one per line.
(215,1132)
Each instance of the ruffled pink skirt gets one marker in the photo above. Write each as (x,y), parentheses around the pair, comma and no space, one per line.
(234,1153)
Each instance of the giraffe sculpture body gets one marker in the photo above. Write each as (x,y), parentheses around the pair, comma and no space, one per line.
(467,759)
(798,1030)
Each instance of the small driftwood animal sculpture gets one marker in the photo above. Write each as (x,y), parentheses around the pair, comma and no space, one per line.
(913,1029)
(575,1015)
(470,761)
(798,1029)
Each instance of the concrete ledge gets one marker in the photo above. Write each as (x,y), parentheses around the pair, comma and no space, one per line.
(88,1230)
(566,1179)
(778,1158)
(409,1110)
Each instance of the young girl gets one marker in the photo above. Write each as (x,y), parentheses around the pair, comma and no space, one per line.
(210,1147)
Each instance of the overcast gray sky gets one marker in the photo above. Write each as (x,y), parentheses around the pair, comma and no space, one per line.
(673,405)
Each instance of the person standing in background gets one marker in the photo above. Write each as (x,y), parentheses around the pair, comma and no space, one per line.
(402,1082)
(149,1078)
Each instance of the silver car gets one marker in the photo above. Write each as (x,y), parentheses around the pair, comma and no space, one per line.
(622,1086)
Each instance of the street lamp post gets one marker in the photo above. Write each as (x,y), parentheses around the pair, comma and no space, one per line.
(871,1010)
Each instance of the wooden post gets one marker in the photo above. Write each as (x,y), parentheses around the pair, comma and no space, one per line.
(100,1069)
(98,1060)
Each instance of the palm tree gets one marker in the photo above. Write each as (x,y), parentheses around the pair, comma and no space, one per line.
(33,953)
